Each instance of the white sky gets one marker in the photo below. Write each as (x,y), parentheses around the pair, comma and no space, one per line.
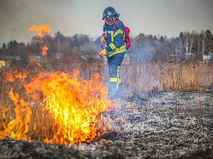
(156,17)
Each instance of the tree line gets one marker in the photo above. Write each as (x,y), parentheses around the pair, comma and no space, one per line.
(189,46)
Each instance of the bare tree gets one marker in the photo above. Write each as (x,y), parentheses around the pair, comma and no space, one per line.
(179,48)
(205,40)
(188,40)
(192,38)
(185,36)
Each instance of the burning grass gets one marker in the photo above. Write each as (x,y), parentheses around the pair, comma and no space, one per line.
(62,107)
(54,107)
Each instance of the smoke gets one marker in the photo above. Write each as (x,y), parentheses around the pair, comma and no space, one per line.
(141,52)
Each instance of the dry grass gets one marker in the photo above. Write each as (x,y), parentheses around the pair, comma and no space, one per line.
(136,78)
(167,77)
(38,129)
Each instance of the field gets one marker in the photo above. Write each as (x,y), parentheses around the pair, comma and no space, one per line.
(165,112)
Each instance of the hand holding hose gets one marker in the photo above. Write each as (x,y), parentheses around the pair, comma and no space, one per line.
(103,53)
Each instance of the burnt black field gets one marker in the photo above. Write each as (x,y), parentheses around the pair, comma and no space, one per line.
(158,125)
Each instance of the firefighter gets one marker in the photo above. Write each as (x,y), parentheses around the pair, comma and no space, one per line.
(114,48)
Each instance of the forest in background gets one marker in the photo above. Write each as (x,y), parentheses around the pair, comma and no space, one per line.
(188,46)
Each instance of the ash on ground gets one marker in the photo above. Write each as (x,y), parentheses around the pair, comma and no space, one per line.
(161,125)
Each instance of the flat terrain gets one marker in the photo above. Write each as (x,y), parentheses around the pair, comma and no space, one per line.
(160,125)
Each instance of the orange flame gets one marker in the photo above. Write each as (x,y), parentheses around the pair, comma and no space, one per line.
(44,50)
(18,127)
(42,31)
(76,107)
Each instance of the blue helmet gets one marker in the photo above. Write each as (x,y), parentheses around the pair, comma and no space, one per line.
(110,12)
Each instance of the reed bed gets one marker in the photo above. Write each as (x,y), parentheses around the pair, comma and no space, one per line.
(137,78)
(147,77)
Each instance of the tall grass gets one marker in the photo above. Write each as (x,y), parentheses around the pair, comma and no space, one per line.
(167,77)
(137,78)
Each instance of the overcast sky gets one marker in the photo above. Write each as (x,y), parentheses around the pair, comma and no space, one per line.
(156,17)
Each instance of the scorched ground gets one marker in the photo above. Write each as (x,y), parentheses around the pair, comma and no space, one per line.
(161,125)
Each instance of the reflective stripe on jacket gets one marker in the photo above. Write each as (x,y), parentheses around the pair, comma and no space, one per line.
(115,38)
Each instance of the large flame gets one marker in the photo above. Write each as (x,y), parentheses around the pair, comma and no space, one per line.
(58,108)
(75,106)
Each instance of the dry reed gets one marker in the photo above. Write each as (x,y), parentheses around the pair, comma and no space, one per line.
(137,78)
(140,78)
